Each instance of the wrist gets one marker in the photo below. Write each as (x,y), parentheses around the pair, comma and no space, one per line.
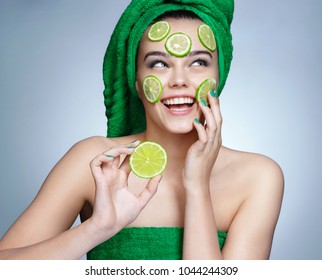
(97,233)
(196,187)
(197,192)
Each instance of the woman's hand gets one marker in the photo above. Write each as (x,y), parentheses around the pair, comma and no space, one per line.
(203,153)
(200,160)
(115,206)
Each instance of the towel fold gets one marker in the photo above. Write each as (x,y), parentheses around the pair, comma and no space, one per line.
(124,109)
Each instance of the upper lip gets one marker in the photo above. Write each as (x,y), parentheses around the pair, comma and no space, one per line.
(175,100)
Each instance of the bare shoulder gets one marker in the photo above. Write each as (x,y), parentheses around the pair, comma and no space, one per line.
(258,183)
(94,145)
(100,143)
(254,170)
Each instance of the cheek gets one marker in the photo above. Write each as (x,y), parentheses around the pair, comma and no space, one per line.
(138,89)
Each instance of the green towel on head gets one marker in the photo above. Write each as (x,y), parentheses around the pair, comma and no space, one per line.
(124,109)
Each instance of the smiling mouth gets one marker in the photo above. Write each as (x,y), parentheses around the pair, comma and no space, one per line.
(178,103)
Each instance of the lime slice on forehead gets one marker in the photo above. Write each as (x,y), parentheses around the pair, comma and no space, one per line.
(178,44)
(159,31)
(152,88)
(204,88)
(148,160)
(207,37)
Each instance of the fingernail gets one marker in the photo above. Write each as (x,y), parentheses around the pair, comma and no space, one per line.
(203,102)
(130,147)
(109,156)
(135,140)
(216,94)
(197,121)
(212,93)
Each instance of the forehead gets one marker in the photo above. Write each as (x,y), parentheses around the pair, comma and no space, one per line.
(187,26)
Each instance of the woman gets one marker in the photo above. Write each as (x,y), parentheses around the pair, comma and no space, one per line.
(206,188)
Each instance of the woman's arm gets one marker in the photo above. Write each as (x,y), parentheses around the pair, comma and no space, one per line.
(43,230)
(251,232)
(200,230)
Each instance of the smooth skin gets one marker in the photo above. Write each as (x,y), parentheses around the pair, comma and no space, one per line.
(206,187)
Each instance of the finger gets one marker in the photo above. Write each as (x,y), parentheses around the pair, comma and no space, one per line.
(150,190)
(215,108)
(97,162)
(211,126)
(202,135)
(117,151)
(122,149)
(125,166)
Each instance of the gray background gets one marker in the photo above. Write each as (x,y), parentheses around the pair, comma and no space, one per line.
(51,56)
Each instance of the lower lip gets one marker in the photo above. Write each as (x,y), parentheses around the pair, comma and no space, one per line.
(180,112)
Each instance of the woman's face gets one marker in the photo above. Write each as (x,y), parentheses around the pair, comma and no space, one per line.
(180,77)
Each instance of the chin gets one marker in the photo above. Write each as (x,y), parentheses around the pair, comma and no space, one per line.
(180,128)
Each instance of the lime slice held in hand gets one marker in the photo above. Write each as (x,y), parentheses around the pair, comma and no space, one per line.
(148,160)
(159,31)
(207,37)
(152,88)
(178,44)
(204,88)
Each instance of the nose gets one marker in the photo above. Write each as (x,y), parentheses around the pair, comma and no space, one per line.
(178,78)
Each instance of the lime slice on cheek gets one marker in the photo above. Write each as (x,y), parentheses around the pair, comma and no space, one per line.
(159,31)
(152,88)
(148,160)
(204,88)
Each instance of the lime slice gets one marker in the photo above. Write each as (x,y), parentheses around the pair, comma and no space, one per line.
(148,160)
(207,37)
(204,88)
(178,44)
(159,31)
(152,88)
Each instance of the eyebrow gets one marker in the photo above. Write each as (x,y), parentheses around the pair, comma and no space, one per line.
(156,53)
(193,53)
(167,55)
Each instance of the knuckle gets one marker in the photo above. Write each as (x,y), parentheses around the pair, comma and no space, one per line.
(204,140)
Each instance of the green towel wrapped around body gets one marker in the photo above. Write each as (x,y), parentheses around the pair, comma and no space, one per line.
(144,243)
(124,109)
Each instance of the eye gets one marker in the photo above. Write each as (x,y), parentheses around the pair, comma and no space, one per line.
(200,62)
(157,64)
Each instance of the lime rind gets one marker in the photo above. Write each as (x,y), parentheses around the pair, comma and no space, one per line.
(206,37)
(152,88)
(158,31)
(204,88)
(148,160)
(178,44)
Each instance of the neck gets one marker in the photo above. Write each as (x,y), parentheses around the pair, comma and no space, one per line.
(176,146)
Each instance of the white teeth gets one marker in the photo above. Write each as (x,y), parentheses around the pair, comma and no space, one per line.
(178,100)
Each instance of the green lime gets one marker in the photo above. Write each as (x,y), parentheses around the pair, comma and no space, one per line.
(152,88)
(178,44)
(207,37)
(159,31)
(148,160)
(204,88)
